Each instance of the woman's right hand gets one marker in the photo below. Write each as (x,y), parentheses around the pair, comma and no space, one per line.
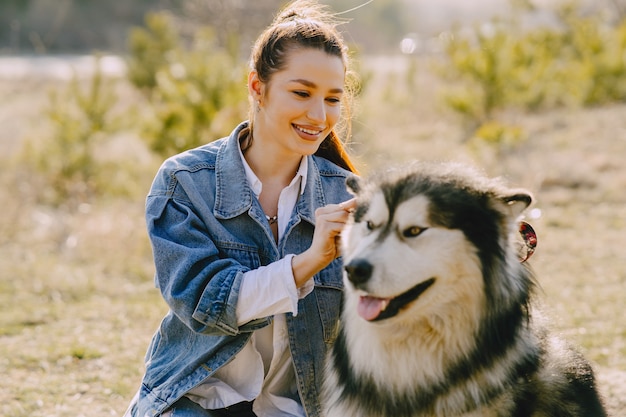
(325,247)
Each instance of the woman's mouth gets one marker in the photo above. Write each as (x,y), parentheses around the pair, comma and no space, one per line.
(308,132)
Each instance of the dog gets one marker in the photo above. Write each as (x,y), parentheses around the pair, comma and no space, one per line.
(438,316)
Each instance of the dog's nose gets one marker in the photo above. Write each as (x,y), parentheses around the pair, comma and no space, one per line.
(359,271)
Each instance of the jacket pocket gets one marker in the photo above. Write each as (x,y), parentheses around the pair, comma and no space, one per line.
(246,255)
(329,296)
(329,306)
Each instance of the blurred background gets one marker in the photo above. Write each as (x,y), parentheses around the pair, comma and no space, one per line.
(95,95)
(62,26)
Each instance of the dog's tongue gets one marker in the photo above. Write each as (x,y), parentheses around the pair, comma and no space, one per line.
(370,307)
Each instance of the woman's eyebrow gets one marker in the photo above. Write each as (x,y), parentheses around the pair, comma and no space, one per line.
(311,84)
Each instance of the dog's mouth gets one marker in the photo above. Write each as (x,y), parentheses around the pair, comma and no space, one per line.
(375,308)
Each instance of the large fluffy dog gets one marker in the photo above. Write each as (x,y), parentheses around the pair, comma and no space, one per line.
(437,318)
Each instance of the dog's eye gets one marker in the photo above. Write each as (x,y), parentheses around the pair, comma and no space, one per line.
(412,231)
(370,225)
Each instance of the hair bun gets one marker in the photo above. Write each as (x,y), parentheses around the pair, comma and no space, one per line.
(303,10)
(289,14)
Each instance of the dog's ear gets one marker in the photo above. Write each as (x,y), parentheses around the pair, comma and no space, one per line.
(517,201)
(354,184)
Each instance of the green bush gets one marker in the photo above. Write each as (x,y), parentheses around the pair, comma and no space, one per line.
(194,92)
(580,64)
(599,53)
(148,48)
(81,117)
(501,66)
(197,92)
(482,67)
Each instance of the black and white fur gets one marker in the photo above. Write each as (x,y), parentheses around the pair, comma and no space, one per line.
(437,319)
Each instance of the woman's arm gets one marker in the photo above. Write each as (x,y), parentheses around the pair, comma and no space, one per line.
(199,286)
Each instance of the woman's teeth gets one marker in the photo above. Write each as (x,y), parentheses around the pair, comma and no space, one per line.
(308,131)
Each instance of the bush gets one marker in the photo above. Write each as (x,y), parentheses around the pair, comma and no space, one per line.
(196,92)
(80,121)
(599,57)
(502,66)
(148,50)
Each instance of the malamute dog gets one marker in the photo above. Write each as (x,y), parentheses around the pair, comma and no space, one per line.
(437,318)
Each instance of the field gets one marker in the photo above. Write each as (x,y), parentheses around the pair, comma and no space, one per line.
(77,302)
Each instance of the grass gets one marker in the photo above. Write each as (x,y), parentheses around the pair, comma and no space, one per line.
(77,302)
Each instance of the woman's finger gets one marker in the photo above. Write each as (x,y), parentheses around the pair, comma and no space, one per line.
(348,205)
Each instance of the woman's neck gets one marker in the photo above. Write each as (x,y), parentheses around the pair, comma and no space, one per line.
(270,165)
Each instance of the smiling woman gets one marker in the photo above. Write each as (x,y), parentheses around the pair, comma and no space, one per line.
(244,235)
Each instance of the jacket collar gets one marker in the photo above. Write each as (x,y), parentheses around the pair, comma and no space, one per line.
(233,195)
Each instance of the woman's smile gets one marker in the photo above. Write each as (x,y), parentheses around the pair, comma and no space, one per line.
(308,133)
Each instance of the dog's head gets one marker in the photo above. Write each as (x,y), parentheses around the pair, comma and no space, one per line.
(426,237)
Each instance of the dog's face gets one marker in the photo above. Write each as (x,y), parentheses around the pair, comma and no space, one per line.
(416,244)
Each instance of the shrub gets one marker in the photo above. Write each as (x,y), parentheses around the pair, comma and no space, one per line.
(193,92)
(148,49)
(581,63)
(500,66)
(599,56)
(196,92)
(80,119)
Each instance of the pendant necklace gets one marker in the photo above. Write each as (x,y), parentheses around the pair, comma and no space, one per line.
(271,219)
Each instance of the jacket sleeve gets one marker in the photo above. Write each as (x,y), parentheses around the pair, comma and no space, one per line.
(200,288)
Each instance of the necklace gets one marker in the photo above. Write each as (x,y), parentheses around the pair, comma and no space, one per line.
(271,219)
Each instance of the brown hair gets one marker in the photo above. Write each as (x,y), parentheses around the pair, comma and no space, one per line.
(305,24)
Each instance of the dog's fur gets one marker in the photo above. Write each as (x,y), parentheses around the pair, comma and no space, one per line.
(437,319)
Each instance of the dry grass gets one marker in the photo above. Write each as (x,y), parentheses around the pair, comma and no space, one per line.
(77,302)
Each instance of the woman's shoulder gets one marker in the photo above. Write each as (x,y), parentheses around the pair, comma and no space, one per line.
(193,159)
(332,179)
(327,168)
(202,157)
(181,166)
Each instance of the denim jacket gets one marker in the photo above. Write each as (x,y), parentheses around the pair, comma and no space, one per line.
(207,228)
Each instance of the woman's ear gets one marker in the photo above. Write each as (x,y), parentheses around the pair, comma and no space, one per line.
(255,86)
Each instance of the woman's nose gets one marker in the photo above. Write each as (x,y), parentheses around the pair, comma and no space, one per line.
(317,111)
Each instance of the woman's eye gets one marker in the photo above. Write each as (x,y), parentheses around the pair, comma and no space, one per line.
(413,231)
(333,100)
(303,94)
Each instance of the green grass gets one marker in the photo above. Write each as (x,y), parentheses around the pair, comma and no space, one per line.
(77,302)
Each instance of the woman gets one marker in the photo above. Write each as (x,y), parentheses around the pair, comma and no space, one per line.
(245,233)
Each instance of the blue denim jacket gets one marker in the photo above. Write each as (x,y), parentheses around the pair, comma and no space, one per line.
(207,228)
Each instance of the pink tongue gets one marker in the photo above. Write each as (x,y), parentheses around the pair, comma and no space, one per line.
(370,307)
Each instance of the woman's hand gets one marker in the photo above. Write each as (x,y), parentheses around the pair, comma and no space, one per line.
(325,247)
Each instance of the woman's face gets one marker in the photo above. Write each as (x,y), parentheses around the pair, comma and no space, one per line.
(301,103)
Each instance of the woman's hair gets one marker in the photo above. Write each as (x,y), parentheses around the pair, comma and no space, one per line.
(305,24)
